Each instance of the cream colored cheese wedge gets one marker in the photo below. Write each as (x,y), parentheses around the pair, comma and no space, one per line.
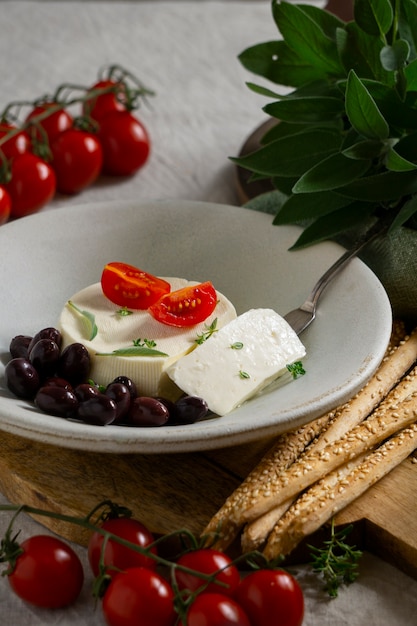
(242,358)
(116,332)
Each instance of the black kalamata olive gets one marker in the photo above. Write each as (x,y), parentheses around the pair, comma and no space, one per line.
(56,401)
(44,356)
(85,391)
(99,410)
(47,333)
(19,346)
(121,395)
(55,381)
(128,382)
(146,411)
(74,364)
(190,409)
(22,378)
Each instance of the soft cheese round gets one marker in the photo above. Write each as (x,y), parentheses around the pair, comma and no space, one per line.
(115,331)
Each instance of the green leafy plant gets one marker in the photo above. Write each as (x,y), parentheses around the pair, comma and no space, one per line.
(343,152)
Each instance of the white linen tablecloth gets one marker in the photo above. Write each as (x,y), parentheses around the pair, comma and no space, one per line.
(202,113)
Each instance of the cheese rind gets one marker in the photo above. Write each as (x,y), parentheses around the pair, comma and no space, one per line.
(239,360)
(116,332)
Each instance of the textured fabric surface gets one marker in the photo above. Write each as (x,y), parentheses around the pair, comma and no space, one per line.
(187,52)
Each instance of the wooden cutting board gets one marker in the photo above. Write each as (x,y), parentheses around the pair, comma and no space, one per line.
(169,492)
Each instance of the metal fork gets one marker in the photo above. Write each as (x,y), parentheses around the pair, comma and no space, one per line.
(299,319)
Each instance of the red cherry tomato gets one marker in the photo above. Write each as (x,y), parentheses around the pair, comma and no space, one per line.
(125,143)
(131,287)
(271,598)
(208,561)
(77,158)
(187,306)
(103,103)
(48,573)
(5,205)
(139,596)
(18,142)
(216,609)
(117,556)
(52,124)
(32,185)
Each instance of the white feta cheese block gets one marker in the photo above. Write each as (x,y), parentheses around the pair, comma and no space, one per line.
(116,332)
(239,360)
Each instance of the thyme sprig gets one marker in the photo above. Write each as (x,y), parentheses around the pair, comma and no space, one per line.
(202,337)
(336,561)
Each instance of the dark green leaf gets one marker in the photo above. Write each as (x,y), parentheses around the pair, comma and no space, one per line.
(385,187)
(407,211)
(333,172)
(328,22)
(398,114)
(407,147)
(396,163)
(310,110)
(300,207)
(368,149)
(411,75)
(284,184)
(306,38)
(329,226)
(395,57)
(293,154)
(282,129)
(361,52)
(407,24)
(374,16)
(263,91)
(275,61)
(362,110)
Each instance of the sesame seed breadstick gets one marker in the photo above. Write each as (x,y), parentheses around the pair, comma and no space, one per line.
(392,414)
(284,452)
(255,533)
(226,523)
(338,489)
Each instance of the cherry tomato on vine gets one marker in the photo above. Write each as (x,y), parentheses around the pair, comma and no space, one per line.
(118,556)
(271,598)
(32,184)
(125,142)
(216,609)
(187,306)
(103,103)
(5,205)
(52,124)
(131,287)
(77,158)
(48,573)
(139,596)
(18,142)
(208,561)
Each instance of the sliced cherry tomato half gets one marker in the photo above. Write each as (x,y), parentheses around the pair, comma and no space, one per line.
(131,287)
(187,306)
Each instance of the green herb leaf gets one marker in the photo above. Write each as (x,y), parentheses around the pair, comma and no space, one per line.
(306,37)
(395,57)
(237,345)
(293,154)
(375,17)
(362,110)
(337,561)
(407,24)
(296,369)
(206,334)
(396,163)
(406,212)
(360,52)
(124,312)
(301,207)
(133,351)
(331,173)
(385,187)
(88,319)
(243,374)
(367,149)
(308,110)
